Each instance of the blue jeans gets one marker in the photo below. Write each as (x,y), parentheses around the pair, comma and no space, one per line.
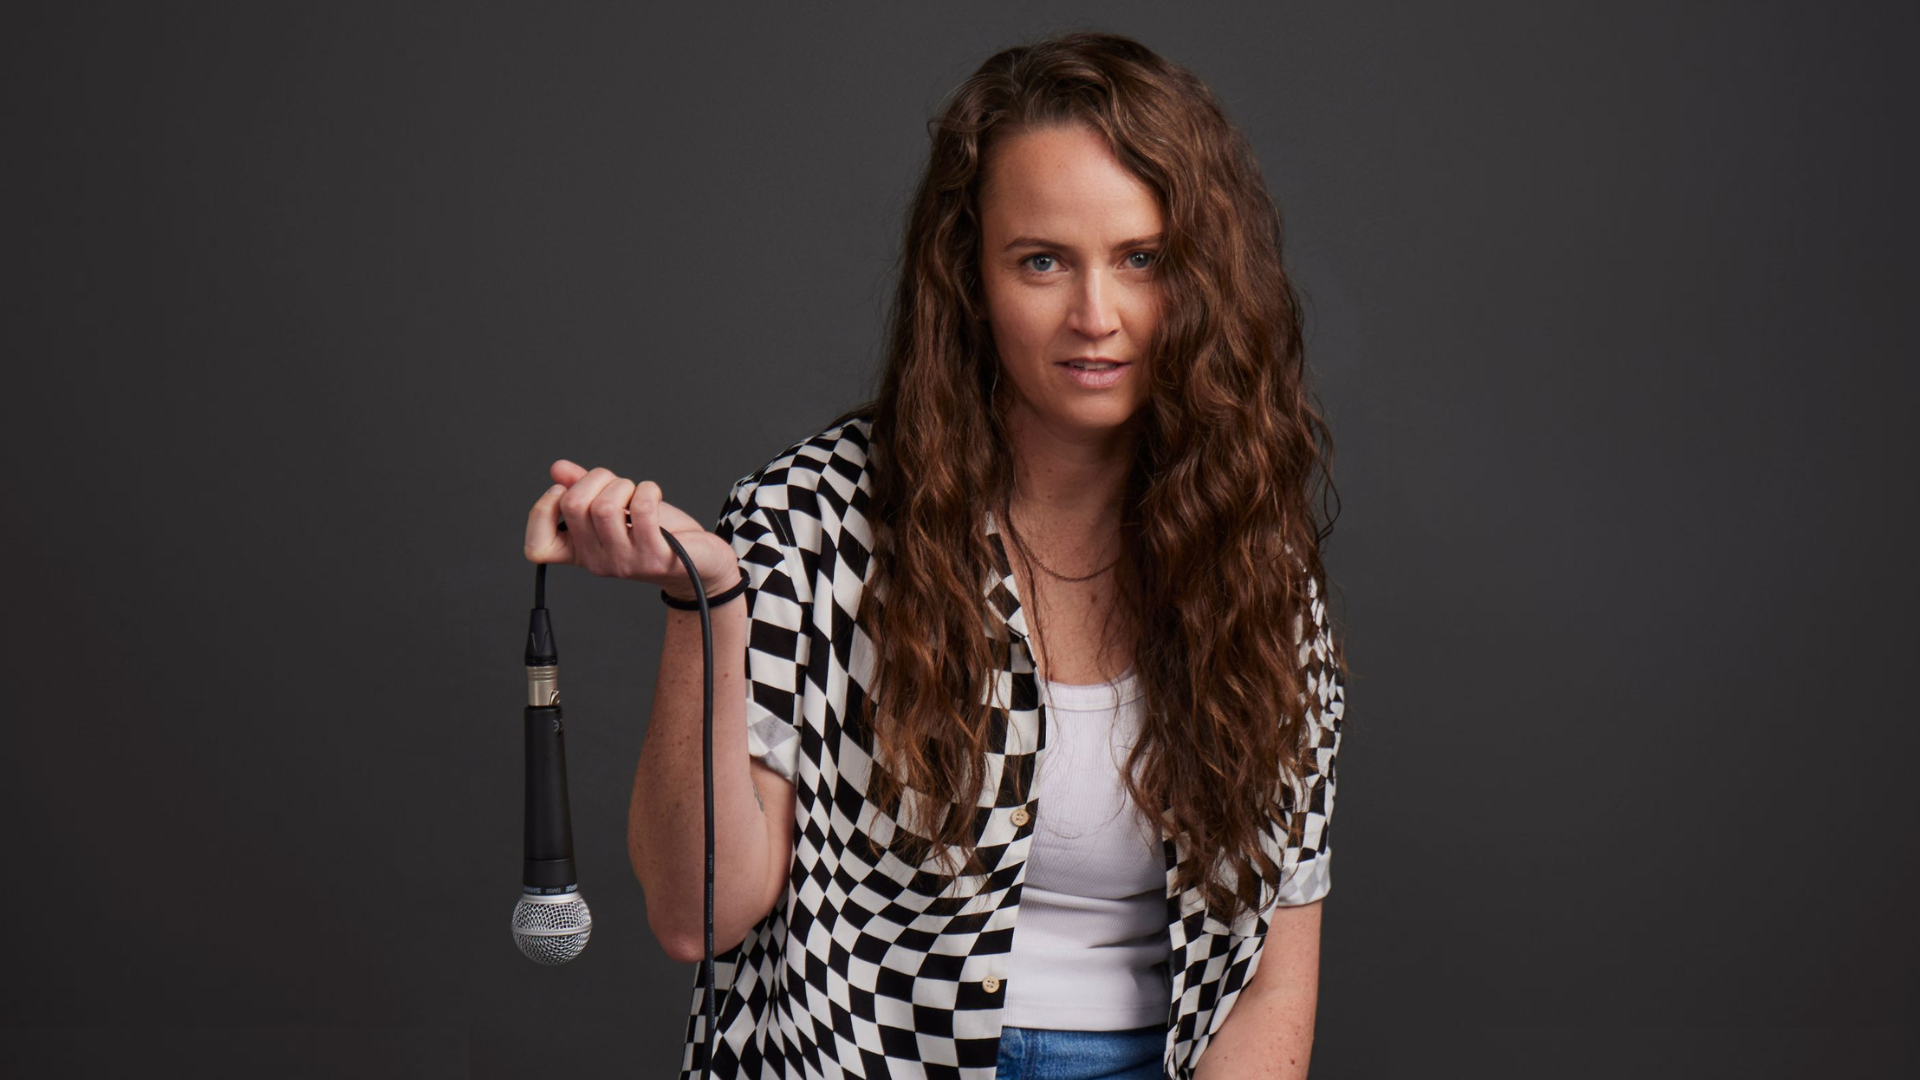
(1043,1054)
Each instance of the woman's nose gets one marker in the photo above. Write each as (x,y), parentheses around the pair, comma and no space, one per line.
(1094,314)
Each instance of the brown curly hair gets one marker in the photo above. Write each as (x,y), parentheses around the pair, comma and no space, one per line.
(1219,534)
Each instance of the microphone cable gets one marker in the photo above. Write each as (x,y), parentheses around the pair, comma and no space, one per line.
(706,764)
(550,657)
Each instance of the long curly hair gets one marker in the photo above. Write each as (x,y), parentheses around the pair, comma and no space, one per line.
(1218,531)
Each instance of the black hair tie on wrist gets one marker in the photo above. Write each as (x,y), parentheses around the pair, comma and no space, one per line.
(739,588)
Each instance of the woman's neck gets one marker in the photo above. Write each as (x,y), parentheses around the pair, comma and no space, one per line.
(1067,481)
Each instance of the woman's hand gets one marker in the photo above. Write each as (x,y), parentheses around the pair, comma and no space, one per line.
(596,506)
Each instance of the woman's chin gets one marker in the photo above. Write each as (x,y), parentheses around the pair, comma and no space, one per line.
(1079,414)
(1100,418)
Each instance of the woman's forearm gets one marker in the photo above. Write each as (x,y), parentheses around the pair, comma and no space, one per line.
(666,822)
(1268,1034)
(1267,1038)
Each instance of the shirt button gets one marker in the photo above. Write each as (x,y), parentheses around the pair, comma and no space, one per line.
(1020,817)
(990,984)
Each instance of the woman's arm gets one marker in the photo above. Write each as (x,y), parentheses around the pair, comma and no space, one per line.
(666,825)
(1269,1032)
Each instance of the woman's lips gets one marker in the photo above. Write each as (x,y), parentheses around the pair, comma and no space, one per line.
(1094,380)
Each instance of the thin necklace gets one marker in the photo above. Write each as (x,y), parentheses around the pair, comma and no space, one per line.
(1028,552)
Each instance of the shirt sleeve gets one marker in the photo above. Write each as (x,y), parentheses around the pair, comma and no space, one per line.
(1308,858)
(777,639)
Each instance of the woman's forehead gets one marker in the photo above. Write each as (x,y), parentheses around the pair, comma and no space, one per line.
(1048,181)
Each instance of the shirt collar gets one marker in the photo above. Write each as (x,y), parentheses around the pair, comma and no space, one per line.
(1002,588)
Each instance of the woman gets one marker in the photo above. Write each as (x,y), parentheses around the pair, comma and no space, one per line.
(1035,639)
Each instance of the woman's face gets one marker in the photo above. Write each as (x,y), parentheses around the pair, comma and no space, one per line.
(1069,239)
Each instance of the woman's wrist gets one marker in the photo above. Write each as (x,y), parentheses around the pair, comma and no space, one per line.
(683,591)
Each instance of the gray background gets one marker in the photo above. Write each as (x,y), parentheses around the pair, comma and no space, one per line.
(1608,309)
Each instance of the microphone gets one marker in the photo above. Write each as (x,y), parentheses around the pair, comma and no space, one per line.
(551,923)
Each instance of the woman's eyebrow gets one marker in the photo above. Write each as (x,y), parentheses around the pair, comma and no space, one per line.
(1038,241)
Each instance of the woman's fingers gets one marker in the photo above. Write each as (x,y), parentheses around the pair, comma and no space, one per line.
(612,527)
(609,512)
(656,558)
(565,472)
(545,542)
(576,506)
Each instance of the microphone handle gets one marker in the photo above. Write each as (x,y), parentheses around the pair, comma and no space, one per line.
(549,823)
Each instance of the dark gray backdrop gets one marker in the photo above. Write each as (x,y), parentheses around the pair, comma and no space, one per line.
(1608,309)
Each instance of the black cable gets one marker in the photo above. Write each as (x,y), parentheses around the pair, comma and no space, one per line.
(706,758)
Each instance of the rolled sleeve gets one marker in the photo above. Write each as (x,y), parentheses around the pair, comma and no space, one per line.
(776,635)
(1308,859)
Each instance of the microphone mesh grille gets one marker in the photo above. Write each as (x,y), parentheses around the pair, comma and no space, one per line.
(551,930)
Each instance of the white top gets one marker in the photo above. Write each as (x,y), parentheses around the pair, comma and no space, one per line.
(1090,945)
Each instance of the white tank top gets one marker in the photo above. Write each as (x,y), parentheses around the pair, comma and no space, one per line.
(1090,944)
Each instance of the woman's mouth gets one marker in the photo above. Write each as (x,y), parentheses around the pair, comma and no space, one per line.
(1094,374)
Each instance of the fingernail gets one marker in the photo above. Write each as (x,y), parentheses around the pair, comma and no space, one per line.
(556,489)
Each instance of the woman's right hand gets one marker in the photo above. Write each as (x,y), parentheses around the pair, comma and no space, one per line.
(596,505)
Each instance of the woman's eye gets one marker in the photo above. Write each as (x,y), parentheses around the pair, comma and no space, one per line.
(1034,261)
(1147,258)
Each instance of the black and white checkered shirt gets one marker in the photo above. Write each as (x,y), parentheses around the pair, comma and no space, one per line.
(864,969)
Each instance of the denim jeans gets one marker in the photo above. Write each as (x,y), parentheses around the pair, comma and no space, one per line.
(1043,1054)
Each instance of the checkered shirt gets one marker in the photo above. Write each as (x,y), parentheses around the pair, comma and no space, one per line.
(868,968)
